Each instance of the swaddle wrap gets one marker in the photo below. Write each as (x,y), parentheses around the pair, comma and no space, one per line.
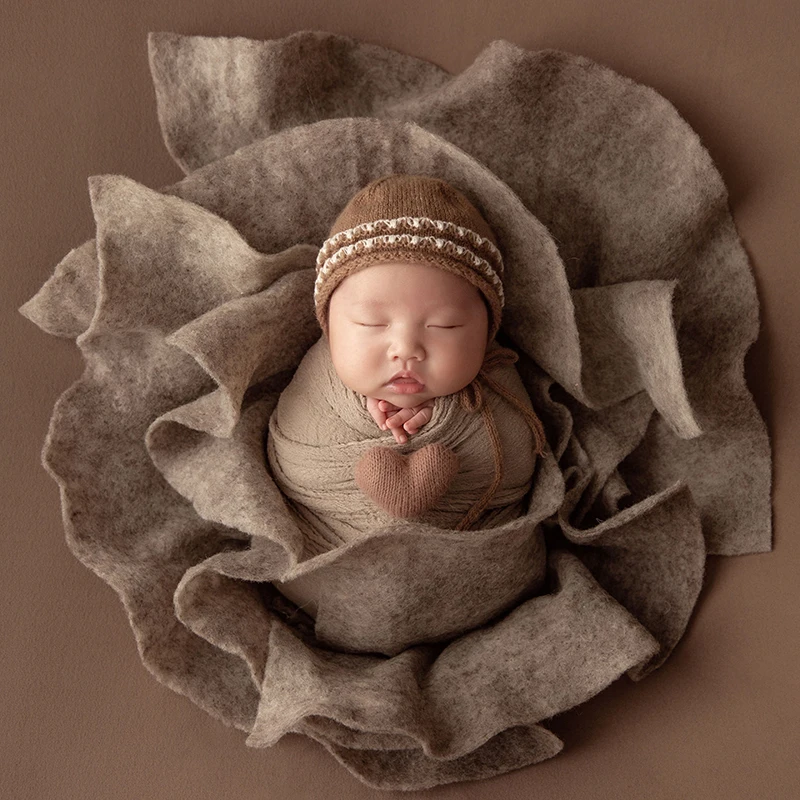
(321,429)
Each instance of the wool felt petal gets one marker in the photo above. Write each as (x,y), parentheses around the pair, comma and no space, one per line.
(431,656)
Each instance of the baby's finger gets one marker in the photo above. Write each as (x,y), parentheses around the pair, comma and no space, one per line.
(376,414)
(402,416)
(400,435)
(419,419)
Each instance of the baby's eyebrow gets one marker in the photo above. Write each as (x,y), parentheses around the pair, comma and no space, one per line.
(373,303)
(369,302)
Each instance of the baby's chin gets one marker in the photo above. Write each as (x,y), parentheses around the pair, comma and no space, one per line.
(403,400)
(409,400)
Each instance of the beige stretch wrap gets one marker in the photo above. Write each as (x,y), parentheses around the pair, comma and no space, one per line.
(320,430)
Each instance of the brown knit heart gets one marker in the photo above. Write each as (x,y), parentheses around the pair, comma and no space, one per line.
(406,486)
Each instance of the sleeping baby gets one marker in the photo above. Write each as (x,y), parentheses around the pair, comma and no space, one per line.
(406,408)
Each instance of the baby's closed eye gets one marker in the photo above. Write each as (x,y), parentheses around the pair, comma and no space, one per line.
(386,324)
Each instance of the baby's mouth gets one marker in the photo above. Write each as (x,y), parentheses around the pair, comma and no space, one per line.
(405,375)
(405,383)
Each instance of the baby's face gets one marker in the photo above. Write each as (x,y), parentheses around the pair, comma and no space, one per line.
(396,317)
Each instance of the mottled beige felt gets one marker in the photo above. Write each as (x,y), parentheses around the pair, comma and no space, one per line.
(432,656)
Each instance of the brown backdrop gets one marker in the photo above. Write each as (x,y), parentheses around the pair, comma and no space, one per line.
(83,718)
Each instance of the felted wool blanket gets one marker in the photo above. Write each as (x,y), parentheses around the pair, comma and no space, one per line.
(437,654)
(322,439)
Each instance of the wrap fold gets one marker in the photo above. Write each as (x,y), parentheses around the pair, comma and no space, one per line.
(436,655)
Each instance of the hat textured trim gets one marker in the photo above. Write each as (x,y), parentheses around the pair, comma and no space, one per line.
(434,243)
(441,225)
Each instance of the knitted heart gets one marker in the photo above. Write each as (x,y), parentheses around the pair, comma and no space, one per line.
(406,485)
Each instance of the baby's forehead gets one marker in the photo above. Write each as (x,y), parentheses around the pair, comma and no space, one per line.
(379,281)
(397,287)
(376,299)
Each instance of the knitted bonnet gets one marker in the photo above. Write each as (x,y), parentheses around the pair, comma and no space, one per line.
(417,219)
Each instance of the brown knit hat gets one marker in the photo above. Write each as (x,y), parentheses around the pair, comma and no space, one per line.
(411,218)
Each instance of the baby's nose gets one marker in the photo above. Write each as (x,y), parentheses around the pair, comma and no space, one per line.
(406,346)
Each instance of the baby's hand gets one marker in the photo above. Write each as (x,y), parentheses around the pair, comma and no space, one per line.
(401,421)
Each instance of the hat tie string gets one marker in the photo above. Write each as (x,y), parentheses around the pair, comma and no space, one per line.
(472,399)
